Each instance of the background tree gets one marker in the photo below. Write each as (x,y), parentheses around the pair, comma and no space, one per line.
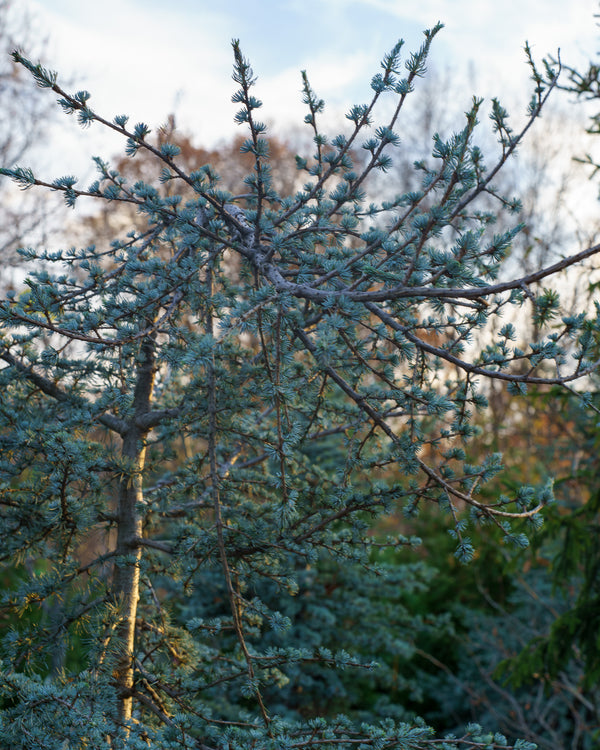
(227,160)
(232,430)
(562,656)
(24,113)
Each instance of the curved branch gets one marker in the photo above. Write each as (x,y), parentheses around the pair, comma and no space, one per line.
(51,389)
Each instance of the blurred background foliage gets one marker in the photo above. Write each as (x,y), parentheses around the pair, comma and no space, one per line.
(511,640)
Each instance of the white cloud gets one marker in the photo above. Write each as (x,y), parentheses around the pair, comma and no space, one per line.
(146,58)
(143,64)
(132,58)
(492,33)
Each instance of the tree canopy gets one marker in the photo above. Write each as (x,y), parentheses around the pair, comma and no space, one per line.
(202,423)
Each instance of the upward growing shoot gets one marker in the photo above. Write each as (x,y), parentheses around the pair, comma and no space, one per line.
(230,395)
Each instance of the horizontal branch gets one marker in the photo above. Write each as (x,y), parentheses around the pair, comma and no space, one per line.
(486,509)
(51,389)
(476,369)
(388,294)
(152,544)
(153,418)
(490,289)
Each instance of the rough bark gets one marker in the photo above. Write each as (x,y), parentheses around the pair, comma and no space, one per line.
(126,577)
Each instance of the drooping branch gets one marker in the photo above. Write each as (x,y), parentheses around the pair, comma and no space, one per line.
(474,369)
(51,389)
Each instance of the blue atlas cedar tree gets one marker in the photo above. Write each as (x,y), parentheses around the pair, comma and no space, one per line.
(228,398)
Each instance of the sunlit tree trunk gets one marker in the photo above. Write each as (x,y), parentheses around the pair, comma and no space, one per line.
(126,577)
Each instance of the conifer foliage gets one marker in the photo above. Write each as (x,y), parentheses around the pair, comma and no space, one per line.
(201,423)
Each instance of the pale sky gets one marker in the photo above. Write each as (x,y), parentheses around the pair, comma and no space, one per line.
(147,58)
